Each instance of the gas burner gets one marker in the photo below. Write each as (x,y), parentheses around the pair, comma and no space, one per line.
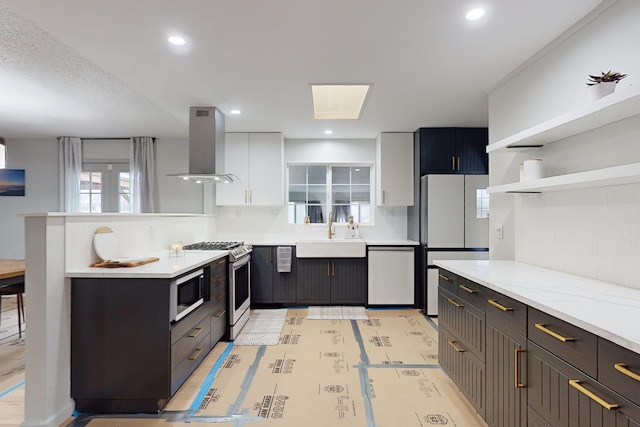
(212,246)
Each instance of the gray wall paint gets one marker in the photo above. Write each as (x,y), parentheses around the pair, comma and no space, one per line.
(592,232)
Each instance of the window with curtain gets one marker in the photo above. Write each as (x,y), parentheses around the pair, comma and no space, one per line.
(3,155)
(345,189)
(105,187)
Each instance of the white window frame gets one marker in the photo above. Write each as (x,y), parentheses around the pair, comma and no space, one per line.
(329,182)
(110,182)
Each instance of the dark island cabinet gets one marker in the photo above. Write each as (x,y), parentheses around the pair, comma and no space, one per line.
(126,355)
(332,281)
(506,360)
(461,345)
(536,370)
(453,150)
(268,285)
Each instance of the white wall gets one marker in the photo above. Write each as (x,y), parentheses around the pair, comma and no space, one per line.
(39,159)
(591,232)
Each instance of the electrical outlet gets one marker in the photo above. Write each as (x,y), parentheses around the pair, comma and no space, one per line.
(498,231)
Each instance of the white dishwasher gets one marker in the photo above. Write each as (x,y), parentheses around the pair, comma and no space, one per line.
(391,275)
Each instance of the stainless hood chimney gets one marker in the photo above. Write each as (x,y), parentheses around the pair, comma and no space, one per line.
(206,146)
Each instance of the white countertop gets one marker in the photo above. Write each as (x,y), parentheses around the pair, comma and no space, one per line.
(165,268)
(368,242)
(605,309)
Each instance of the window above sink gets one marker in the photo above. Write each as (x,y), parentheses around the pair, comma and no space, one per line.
(346,188)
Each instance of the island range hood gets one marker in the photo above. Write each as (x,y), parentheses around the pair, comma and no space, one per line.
(206,147)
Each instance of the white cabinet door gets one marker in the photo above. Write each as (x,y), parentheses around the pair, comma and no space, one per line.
(266,169)
(394,169)
(445,211)
(236,161)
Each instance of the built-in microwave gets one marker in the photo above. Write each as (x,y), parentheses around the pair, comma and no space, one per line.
(186,294)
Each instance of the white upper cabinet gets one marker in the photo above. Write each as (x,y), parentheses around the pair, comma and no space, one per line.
(257,159)
(394,169)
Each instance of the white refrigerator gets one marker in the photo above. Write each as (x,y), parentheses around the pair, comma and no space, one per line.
(454,224)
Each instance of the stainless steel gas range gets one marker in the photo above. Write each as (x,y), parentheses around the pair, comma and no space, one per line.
(239,275)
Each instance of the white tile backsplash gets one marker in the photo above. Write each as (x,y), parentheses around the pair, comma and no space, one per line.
(593,233)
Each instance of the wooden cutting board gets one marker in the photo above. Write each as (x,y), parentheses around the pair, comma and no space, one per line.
(128,263)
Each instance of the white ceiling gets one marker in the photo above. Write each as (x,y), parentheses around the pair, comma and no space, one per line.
(104,69)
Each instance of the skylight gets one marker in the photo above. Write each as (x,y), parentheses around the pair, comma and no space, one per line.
(338,101)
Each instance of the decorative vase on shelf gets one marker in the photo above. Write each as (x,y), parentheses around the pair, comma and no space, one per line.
(604,84)
(602,89)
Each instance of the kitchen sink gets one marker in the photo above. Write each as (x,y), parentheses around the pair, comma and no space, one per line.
(331,248)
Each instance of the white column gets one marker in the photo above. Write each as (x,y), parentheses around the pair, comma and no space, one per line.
(48,340)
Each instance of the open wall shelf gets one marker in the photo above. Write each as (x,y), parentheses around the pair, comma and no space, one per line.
(616,175)
(609,109)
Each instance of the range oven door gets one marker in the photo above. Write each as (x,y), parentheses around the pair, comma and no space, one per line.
(239,294)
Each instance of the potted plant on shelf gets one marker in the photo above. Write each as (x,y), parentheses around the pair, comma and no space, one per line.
(604,84)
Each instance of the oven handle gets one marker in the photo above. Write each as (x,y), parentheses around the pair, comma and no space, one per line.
(240,262)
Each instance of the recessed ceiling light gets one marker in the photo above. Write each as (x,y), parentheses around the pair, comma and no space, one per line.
(474,14)
(328,132)
(234,111)
(176,40)
(338,101)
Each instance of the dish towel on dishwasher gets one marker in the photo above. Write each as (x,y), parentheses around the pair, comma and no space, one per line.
(284,259)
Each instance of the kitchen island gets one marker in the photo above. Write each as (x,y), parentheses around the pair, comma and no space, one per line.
(539,347)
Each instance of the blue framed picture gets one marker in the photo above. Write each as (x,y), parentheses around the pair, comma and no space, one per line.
(11,182)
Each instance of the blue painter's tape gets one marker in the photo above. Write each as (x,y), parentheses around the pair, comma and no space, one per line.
(9,390)
(206,384)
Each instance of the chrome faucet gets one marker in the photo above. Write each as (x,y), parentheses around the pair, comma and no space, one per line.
(331,232)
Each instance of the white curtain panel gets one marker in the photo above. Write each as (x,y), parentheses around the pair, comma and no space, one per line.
(70,157)
(143,174)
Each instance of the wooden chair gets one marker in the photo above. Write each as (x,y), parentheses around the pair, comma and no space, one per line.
(16,289)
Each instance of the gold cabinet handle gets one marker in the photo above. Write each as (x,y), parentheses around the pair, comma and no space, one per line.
(455,347)
(458,162)
(270,256)
(445,278)
(333,269)
(468,290)
(576,384)
(195,332)
(195,354)
(556,335)
(498,305)
(221,261)
(220,296)
(455,303)
(621,367)
(453,163)
(220,313)
(516,372)
(328,267)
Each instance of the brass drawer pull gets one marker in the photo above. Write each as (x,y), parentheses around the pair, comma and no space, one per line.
(220,296)
(556,335)
(221,261)
(221,313)
(445,278)
(455,347)
(455,303)
(576,384)
(621,367)
(468,290)
(516,373)
(195,354)
(498,305)
(195,333)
